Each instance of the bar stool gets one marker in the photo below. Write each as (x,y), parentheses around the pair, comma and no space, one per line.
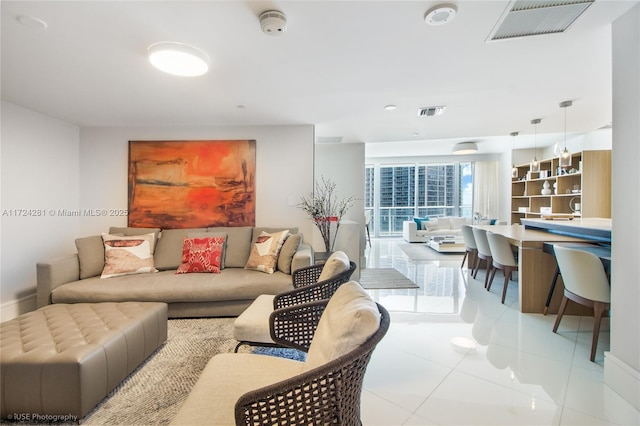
(470,248)
(586,283)
(503,259)
(484,253)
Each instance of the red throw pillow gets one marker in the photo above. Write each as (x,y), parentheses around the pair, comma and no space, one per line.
(201,255)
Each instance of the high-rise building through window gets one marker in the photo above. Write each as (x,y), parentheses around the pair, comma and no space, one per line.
(395,193)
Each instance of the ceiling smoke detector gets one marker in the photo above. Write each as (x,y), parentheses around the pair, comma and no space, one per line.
(273,22)
(440,14)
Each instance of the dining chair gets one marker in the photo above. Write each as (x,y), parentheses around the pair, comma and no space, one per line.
(586,283)
(470,248)
(484,253)
(503,259)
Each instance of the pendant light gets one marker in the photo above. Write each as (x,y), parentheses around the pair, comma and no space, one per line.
(514,169)
(565,157)
(535,165)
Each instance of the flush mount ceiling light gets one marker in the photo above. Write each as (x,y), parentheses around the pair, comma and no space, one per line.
(465,148)
(440,14)
(390,107)
(178,59)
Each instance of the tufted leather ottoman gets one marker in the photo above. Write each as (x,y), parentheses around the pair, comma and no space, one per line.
(64,359)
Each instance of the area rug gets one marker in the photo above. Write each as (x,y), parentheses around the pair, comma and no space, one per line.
(420,252)
(384,278)
(153,393)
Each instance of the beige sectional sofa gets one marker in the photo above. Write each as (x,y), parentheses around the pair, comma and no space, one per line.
(77,278)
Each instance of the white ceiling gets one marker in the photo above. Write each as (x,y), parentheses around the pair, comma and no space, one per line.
(337,66)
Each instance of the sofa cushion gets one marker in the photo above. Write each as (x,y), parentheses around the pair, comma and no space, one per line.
(231,284)
(419,220)
(350,318)
(201,255)
(259,230)
(336,264)
(90,255)
(129,231)
(127,255)
(288,250)
(265,251)
(168,253)
(457,222)
(238,245)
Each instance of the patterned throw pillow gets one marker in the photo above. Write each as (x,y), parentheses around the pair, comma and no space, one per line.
(201,255)
(265,250)
(127,255)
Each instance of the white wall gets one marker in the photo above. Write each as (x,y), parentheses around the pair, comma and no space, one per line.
(284,169)
(40,173)
(51,165)
(622,362)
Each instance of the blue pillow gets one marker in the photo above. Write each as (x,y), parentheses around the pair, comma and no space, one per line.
(419,220)
(493,221)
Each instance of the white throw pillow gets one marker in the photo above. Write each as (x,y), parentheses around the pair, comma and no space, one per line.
(350,318)
(336,264)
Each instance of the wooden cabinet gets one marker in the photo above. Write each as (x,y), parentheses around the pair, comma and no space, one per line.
(583,189)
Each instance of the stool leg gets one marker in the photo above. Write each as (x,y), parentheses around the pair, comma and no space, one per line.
(551,289)
(563,306)
(598,310)
(464,258)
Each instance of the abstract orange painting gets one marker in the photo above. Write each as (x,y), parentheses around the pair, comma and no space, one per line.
(192,184)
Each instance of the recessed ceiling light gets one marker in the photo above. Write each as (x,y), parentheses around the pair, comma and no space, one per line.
(178,59)
(441,14)
(32,22)
(390,107)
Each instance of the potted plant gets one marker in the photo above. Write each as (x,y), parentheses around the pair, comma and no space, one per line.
(324,208)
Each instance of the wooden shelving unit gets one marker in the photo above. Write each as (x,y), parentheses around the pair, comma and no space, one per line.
(587,182)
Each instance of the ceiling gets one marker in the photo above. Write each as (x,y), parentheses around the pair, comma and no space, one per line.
(337,65)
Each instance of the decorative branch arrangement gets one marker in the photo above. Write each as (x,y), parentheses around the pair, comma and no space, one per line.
(324,208)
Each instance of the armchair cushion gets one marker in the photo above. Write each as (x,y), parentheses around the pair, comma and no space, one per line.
(227,377)
(350,318)
(253,324)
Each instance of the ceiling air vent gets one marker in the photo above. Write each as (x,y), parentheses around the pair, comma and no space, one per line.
(431,111)
(523,18)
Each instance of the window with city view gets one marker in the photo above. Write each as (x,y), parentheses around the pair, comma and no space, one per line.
(395,193)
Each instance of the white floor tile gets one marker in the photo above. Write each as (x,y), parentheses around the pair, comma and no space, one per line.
(463,399)
(519,371)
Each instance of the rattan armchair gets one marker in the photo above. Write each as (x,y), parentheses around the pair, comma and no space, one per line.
(328,394)
(252,326)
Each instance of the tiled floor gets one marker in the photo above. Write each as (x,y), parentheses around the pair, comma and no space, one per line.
(517,371)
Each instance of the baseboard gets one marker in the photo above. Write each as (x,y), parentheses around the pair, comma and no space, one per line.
(17,307)
(622,378)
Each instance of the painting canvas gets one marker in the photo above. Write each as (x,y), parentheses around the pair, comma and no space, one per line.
(192,184)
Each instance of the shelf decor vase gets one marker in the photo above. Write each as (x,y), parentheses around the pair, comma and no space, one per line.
(546,188)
